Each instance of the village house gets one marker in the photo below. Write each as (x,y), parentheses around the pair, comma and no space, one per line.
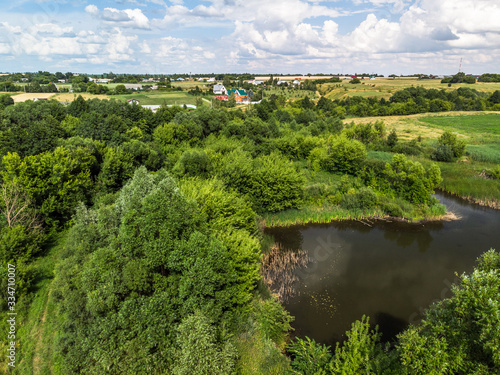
(239,95)
(219,90)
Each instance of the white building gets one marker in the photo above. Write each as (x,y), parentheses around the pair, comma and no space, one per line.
(133,86)
(220,90)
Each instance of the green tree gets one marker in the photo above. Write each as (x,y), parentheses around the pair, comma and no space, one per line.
(270,181)
(343,155)
(449,141)
(5,100)
(56,181)
(199,352)
(140,266)
(392,139)
(410,180)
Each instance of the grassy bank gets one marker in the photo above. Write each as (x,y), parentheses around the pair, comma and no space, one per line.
(36,320)
(317,215)
(327,213)
(469,182)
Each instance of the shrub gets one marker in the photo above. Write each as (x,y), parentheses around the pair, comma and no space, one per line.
(449,140)
(365,198)
(410,148)
(410,180)
(392,209)
(443,153)
(392,139)
(344,155)
(494,173)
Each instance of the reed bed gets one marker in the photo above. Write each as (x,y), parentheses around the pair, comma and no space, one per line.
(278,270)
(317,215)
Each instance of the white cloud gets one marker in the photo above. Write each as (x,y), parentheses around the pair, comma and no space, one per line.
(92,9)
(133,18)
(50,29)
(145,48)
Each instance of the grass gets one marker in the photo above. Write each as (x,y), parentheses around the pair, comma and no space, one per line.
(471,126)
(477,124)
(488,153)
(36,320)
(159,98)
(380,155)
(317,214)
(287,93)
(466,181)
(385,87)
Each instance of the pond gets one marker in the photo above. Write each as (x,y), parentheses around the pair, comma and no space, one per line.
(389,271)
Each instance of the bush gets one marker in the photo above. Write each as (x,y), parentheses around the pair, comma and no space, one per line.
(271,182)
(443,153)
(392,209)
(392,139)
(494,173)
(410,148)
(410,180)
(365,198)
(344,155)
(448,142)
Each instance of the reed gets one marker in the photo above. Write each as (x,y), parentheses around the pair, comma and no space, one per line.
(278,266)
(318,215)
(468,182)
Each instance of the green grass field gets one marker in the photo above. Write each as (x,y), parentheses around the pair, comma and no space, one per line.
(477,124)
(287,93)
(159,98)
(385,87)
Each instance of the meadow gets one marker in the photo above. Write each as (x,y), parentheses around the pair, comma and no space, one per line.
(385,87)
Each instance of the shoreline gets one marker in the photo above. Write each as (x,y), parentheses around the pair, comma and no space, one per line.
(336,214)
(368,220)
(493,203)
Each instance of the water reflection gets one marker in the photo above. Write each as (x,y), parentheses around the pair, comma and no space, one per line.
(388,271)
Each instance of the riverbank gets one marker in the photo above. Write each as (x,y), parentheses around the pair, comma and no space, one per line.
(329,213)
(489,203)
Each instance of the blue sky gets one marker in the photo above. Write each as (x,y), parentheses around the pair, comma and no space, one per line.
(255,36)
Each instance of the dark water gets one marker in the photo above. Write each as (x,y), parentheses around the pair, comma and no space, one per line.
(390,272)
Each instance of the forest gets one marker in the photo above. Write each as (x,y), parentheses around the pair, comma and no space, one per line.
(137,237)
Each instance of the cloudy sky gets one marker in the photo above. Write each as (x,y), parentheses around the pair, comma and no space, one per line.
(256,36)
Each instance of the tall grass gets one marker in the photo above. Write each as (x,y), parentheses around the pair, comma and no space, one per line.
(317,214)
(467,181)
(487,153)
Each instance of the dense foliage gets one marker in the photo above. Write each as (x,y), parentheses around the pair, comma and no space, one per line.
(158,270)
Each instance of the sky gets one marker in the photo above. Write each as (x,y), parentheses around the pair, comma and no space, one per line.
(253,36)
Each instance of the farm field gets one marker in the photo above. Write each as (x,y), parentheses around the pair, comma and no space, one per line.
(385,87)
(159,98)
(287,93)
(431,125)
